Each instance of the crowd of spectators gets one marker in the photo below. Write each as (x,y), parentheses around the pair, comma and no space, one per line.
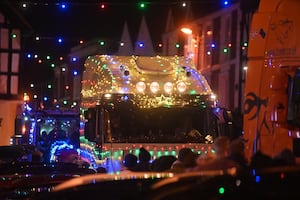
(227,154)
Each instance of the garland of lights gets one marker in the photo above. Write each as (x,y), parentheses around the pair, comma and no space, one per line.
(104,5)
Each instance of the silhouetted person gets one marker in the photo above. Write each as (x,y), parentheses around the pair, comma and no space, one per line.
(144,160)
(237,152)
(37,156)
(219,160)
(285,157)
(261,160)
(163,163)
(101,170)
(43,144)
(186,159)
(130,163)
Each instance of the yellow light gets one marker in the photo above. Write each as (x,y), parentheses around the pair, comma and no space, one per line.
(140,86)
(26,97)
(168,87)
(154,87)
(181,87)
(107,96)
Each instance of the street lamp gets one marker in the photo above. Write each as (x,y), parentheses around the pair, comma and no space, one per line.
(189,33)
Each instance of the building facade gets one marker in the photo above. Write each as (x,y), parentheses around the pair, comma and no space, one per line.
(12,28)
(218,46)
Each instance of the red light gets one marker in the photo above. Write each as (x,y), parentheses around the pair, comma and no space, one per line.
(282,175)
(102,6)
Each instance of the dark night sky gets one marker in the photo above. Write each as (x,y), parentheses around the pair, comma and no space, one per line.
(85,20)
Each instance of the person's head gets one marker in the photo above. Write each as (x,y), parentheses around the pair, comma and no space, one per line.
(37,156)
(237,147)
(187,157)
(286,156)
(144,155)
(221,146)
(130,160)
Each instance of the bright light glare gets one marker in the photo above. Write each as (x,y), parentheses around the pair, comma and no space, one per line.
(154,87)
(168,87)
(187,31)
(181,87)
(140,86)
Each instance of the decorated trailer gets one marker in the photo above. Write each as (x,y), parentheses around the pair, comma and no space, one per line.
(161,103)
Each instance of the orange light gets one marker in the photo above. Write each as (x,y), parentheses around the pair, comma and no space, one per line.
(187,31)
(23,129)
(26,97)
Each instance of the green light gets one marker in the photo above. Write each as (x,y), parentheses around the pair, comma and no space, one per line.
(48,57)
(193,92)
(52,65)
(221,190)
(225,50)
(245,44)
(151,153)
(14,35)
(116,154)
(49,86)
(142,5)
(102,43)
(65,102)
(177,45)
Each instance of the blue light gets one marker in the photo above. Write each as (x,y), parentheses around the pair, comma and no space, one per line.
(63,5)
(257,179)
(45,98)
(29,55)
(213,45)
(75,73)
(140,44)
(60,40)
(226,2)
(74,59)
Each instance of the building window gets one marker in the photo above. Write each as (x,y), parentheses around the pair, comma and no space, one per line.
(14,85)
(3,62)
(4,39)
(3,84)
(15,63)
